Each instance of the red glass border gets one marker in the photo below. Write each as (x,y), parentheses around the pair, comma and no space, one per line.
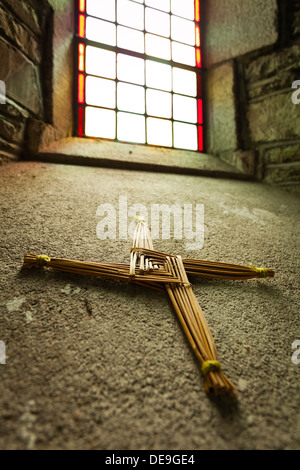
(81,57)
(81,83)
(82,6)
(81,26)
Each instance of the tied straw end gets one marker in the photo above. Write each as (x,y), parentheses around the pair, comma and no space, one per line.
(262,272)
(43,260)
(210,366)
(35,261)
(215,380)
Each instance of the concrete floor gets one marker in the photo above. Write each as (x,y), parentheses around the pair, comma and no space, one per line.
(98,364)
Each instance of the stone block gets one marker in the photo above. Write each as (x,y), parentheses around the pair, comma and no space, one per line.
(8,148)
(26,13)
(245,161)
(294,18)
(268,65)
(39,135)
(21,36)
(235,28)
(283,154)
(272,72)
(22,79)
(282,173)
(7,157)
(296,24)
(242,160)
(13,131)
(13,111)
(221,109)
(274,118)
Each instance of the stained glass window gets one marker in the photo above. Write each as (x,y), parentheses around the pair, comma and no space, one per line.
(139,72)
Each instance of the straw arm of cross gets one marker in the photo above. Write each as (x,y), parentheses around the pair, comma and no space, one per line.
(167,272)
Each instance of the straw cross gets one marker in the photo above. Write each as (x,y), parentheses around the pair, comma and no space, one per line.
(167,272)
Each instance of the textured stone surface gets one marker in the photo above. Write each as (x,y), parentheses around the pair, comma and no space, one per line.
(294,17)
(259,125)
(274,118)
(40,135)
(13,111)
(221,125)
(97,364)
(20,35)
(63,67)
(8,151)
(13,122)
(12,131)
(97,152)
(271,72)
(26,13)
(22,79)
(269,65)
(285,154)
(242,160)
(235,28)
(287,172)
(23,47)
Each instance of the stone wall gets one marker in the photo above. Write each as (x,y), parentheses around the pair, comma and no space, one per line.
(25,68)
(252,57)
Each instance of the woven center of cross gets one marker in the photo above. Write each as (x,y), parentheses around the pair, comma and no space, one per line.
(167,272)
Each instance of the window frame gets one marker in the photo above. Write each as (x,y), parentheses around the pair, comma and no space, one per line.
(81,74)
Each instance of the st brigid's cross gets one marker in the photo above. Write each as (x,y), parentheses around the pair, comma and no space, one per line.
(162,271)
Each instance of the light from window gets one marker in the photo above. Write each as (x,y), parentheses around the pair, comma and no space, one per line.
(139,74)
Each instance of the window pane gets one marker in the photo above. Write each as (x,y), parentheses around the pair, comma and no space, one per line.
(158,75)
(100,123)
(159,132)
(159,103)
(185,136)
(130,39)
(158,47)
(139,96)
(157,22)
(100,62)
(184,108)
(183,30)
(131,127)
(183,54)
(100,92)
(159,4)
(104,9)
(184,82)
(100,31)
(131,69)
(183,8)
(130,14)
(131,98)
